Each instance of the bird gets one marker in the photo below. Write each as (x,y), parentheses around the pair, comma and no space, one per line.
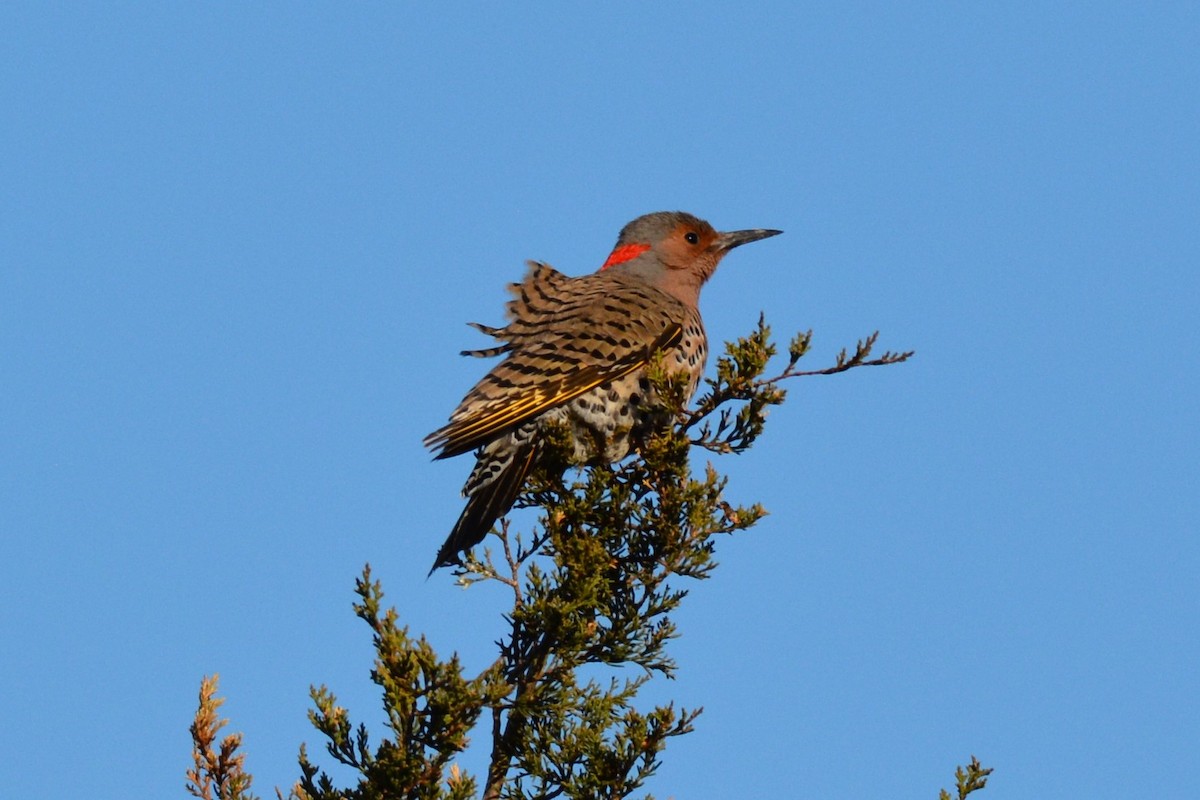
(574,353)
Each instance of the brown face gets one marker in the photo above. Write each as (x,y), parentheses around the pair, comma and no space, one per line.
(691,245)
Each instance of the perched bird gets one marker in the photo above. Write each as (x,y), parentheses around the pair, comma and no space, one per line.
(574,352)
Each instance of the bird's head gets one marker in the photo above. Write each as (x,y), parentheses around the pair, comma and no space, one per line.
(676,251)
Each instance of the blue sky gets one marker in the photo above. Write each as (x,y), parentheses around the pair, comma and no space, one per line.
(239,246)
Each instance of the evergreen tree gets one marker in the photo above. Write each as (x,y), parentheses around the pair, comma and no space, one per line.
(594,584)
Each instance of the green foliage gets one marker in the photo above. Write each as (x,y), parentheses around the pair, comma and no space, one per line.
(970,779)
(594,586)
(430,707)
(740,379)
(619,540)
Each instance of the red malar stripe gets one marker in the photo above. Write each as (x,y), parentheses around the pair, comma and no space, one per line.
(625,253)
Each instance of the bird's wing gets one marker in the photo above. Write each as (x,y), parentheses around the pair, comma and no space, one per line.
(537,298)
(565,336)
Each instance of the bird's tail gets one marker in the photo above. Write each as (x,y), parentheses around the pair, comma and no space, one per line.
(491,490)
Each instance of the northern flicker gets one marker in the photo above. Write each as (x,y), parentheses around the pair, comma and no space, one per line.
(574,352)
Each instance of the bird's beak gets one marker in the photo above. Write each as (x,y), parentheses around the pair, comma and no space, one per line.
(727,241)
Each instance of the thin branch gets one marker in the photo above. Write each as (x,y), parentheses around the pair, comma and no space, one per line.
(859,359)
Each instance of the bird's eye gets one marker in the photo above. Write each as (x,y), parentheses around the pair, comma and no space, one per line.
(691,237)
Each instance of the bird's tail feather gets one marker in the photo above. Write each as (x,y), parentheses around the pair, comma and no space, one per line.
(486,503)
